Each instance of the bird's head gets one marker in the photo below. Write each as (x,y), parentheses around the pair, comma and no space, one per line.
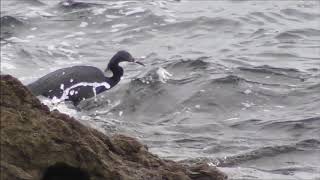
(122,56)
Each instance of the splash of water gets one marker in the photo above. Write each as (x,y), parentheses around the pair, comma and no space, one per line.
(163,74)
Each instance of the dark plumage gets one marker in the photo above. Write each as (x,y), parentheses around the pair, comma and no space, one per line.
(80,82)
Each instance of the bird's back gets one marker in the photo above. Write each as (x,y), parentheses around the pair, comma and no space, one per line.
(55,82)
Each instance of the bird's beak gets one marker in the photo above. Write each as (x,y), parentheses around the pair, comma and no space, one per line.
(138,62)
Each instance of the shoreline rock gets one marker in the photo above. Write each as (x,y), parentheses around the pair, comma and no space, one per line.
(37,144)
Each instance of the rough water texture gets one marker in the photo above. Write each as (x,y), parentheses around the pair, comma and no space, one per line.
(244,94)
(39,144)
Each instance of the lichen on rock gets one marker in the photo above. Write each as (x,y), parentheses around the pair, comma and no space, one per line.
(37,144)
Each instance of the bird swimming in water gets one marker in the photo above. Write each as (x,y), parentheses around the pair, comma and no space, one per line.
(80,82)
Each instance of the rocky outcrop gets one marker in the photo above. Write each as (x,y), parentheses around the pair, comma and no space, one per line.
(37,144)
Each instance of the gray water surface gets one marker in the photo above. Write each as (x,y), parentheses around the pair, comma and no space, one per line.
(245,90)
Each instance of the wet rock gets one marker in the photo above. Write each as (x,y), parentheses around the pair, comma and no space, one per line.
(37,144)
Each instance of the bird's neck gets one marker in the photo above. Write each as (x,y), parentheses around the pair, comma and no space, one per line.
(117,72)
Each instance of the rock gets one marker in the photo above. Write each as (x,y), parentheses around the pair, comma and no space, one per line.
(37,144)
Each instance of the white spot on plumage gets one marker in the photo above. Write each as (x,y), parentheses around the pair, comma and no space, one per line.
(72,92)
(68,90)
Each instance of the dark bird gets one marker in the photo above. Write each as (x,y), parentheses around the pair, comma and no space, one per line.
(80,82)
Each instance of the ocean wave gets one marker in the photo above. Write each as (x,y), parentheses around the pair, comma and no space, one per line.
(247,123)
(229,79)
(263,152)
(306,32)
(149,19)
(288,35)
(206,23)
(301,124)
(10,21)
(191,64)
(71,4)
(314,87)
(300,14)
(9,26)
(267,18)
(289,171)
(33,2)
(298,34)
(266,69)
(27,2)
(240,79)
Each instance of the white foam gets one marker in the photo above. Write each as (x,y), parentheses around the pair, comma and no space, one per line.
(83,24)
(35,12)
(66,3)
(51,47)
(5,65)
(119,25)
(17,40)
(114,30)
(98,11)
(211,164)
(135,11)
(162,4)
(62,86)
(64,107)
(119,2)
(247,104)
(231,119)
(170,20)
(64,43)
(248,91)
(68,51)
(31,37)
(163,74)
(112,16)
(75,34)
